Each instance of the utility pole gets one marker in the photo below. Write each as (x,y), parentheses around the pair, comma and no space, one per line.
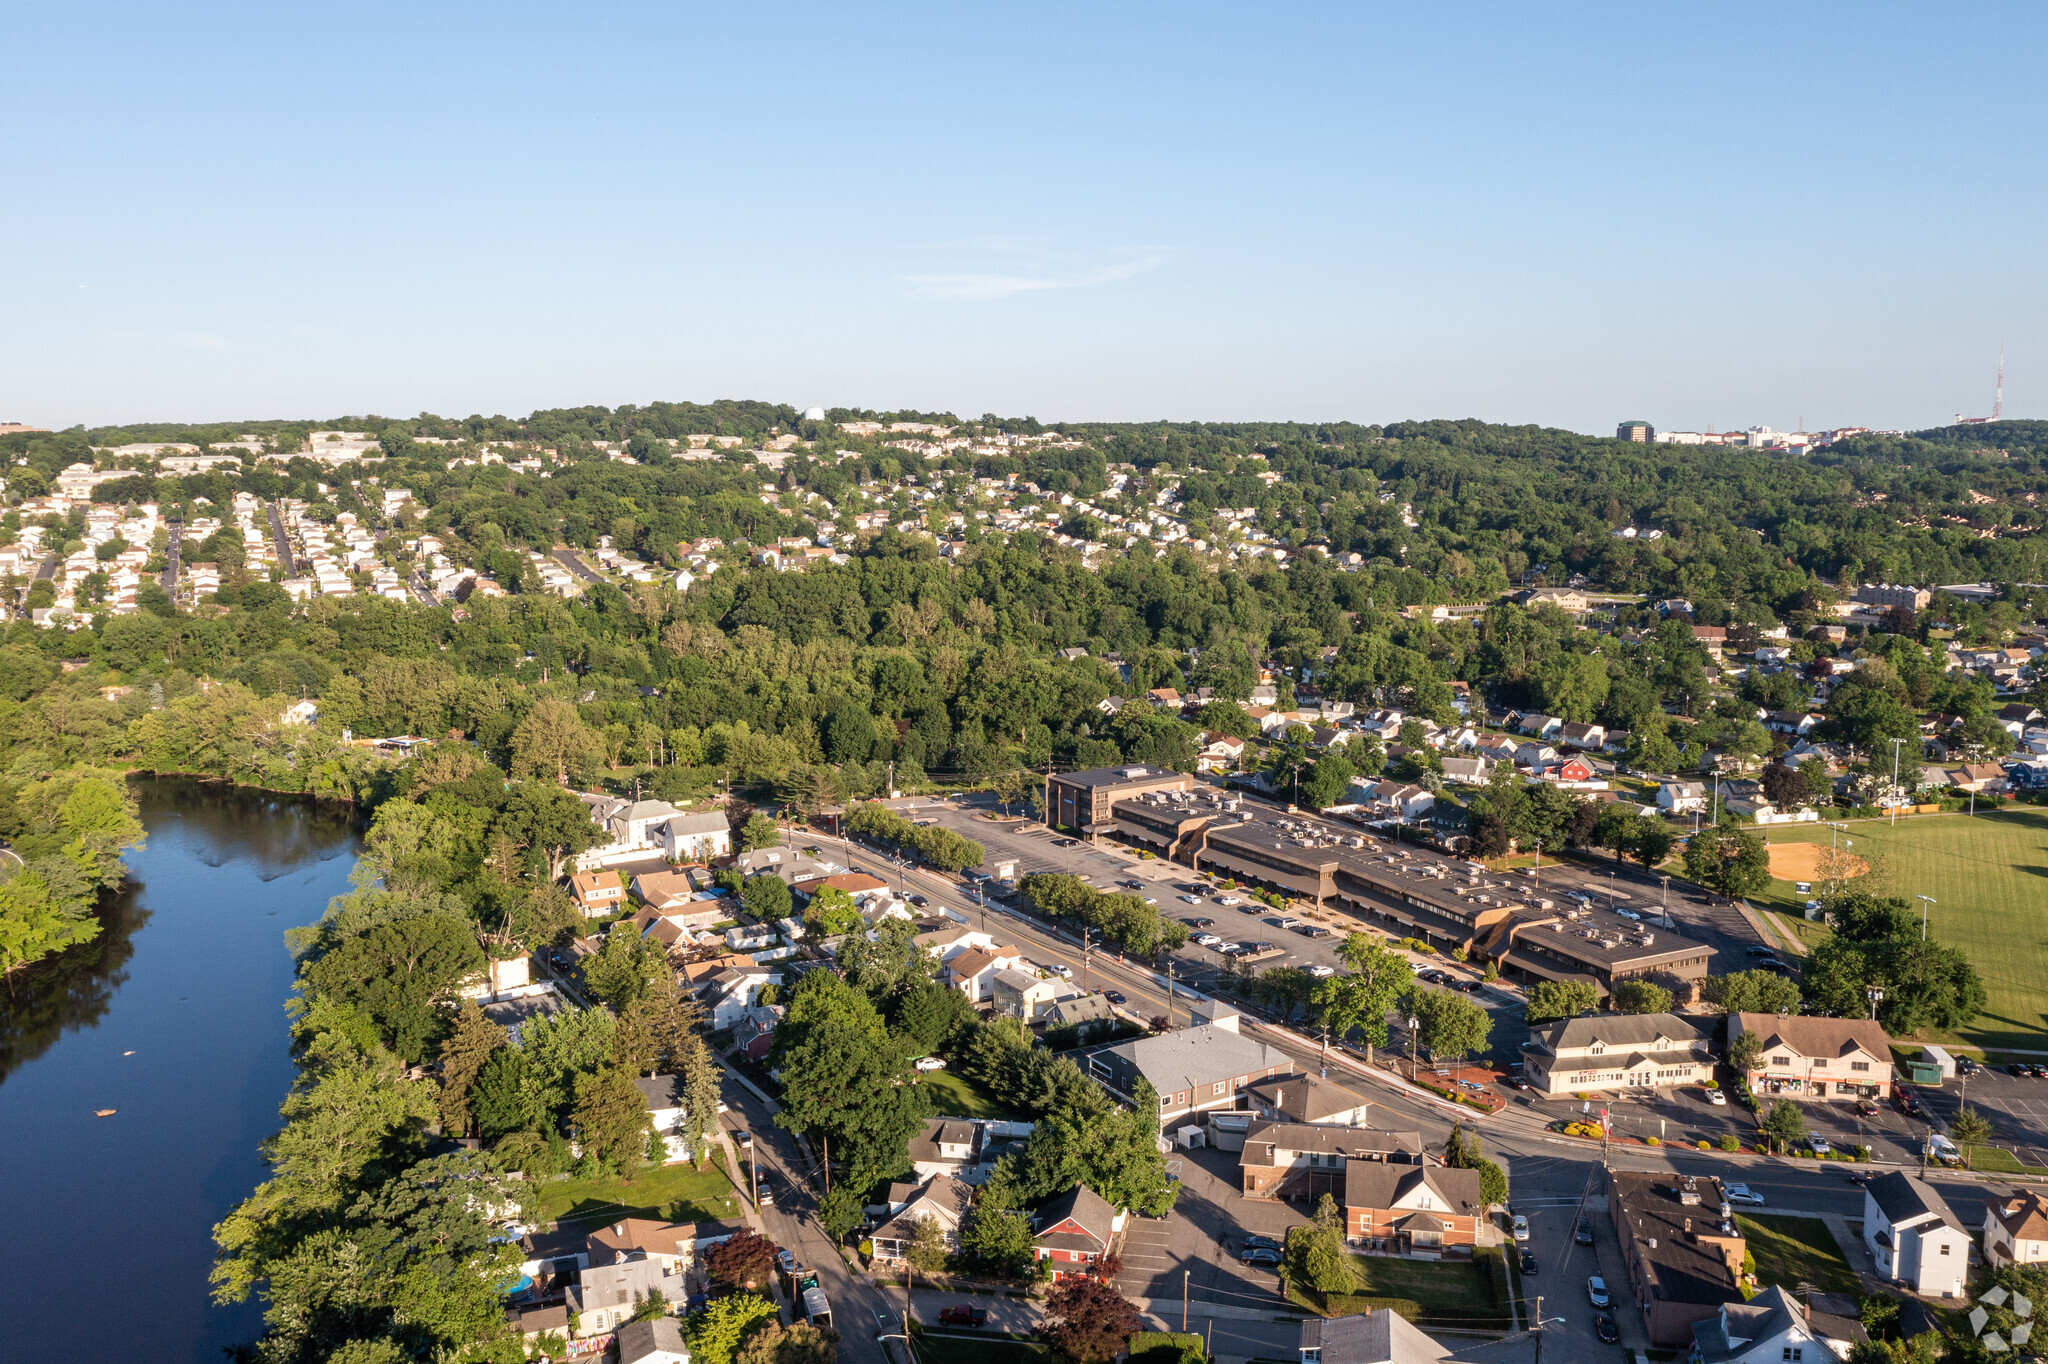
(1169,994)
(1084,961)
(1925,900)
(1538,1328)
(1184,1302)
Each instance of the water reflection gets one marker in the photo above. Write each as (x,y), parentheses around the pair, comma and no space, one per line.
(173,1018)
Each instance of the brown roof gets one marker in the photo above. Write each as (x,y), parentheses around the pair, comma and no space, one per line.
(1810,1036)
(2025,1218)
(975,960)
(608,1243)
(1265,1140)
(1305,1098)
(1376,1184)
(659,886)
(852,882)
(699,971)
(583,882)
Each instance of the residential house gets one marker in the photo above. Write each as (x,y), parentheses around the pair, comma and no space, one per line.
(1797,723)
(1540,726)
(1416,1210)
(1806,1057)
(1680,1250)
(2016,1230)
(733,991)
(965,1149)
(301,713)
(1914,1238)
(1570,772)
(1219,753)
(532,1321)
(1533,755)
(658,1341)
(669,1111)
(973,973)
(672,1245)
(754,1032)
(1681,797)
(1307,1099)
(1467,771)
(1616,1051)
(1191,1069)
(1589,737)
(1774,1328)
(597,893)
(604,1298)
(1072,1011)
(1022,993)
(942,1198)
(1306,1160)
(1075,1230)
(949,944)
(1382,1337)
(644,828)
(1980,778)
(1712,638)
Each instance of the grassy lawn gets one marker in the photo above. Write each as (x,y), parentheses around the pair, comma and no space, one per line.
(1793,1250)
(962,1350)
(1998,1160)
(1430,1293)
(678,1193)
(1793,925)
(956,1096)
(1986,873)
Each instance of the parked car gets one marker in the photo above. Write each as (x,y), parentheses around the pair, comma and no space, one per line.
(1132,884)
(1288,921)
(1717,1098)
(1596,1291)
(1604,1327)
(1433,976)
(1966,1065)
(1114,996)
(1521,1227)
(1583,1233)
(1207,940)
(1066,842)
(919,901)
(785,1260)
(1470,987)
(1062,970)
(1230,899)
(1251,907)
(930,1063)
(963,1316)
(1517,1082)
(1528,1262)
(1627,913)
(1860,1177)
(1759,951)
(1819,1146)
(1319,970)
(1235,949)
(1191,899)
(1199,923)
(1259,1255)
(1867,1107)
(1743,1194)
(1261,1242)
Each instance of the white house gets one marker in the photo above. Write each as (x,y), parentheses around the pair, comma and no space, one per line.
(640,828)
(973,973)
(663,1095)
(1681,797)
(1913,1236)
(2016,1230)
(301,713)
(1773,1328)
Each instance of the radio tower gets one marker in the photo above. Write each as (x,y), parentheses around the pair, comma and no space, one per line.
(1998,399)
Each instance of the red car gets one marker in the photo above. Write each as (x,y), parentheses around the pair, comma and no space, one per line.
(963,1316)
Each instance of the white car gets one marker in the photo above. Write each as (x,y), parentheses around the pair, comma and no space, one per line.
(1289,922)
(1230,899)
(1521,1227)
(1741,1193)
(1629,914)
(1207,940)
(1191,899)
(1717,1098)
(929,1063)
(1062,970)
(1320,970)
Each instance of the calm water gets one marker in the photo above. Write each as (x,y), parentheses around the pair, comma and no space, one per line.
(107,1222)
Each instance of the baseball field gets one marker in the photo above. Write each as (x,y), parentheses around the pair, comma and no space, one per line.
(1989,879)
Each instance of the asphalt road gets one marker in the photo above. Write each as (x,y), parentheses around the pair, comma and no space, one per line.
(175,529)
(283,543)
(570,560)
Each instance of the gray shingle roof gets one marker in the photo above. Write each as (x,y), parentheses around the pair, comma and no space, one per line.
(1371,1338)
(1902,1198)
(1618,1030)
(1198,1056)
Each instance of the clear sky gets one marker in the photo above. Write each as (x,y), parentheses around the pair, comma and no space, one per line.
(1561,214)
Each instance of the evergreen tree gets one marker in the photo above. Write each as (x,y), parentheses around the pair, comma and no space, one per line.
(463,1057)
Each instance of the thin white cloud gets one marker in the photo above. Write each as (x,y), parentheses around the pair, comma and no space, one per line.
(971,287)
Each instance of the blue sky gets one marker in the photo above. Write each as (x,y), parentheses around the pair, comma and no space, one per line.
(1558,214)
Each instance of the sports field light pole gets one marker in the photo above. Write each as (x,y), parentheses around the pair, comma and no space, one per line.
(1925,900)
(1895,781)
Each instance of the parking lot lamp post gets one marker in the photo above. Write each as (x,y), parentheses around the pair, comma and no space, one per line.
(1414,1050)
(1084,961)
(1876,997)
(1184,1302)
(1666,909)
(1895,781)
(1925,900)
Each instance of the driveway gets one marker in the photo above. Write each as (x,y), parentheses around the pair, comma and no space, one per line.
(1200,1239)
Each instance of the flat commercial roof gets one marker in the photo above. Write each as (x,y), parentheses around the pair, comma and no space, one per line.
(1129,775)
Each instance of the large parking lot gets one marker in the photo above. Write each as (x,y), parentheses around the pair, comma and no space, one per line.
(2017,1107)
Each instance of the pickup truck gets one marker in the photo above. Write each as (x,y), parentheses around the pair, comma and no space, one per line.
(963,1315)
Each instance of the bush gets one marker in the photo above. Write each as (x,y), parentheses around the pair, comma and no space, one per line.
(1652,1141)
(867,1250)
(1729,1143)
(1703,1145)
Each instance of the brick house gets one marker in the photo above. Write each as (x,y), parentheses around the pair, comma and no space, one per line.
(1418,1210)
(1307,1160)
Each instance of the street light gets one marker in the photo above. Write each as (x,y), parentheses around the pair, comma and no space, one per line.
(1895,781)
(1925,900)
(1414,1050)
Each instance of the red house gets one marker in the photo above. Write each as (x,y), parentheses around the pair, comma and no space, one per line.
(1075,1230)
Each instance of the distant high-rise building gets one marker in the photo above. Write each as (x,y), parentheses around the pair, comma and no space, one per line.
(1641,432)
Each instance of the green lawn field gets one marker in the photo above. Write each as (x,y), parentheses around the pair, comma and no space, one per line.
(956,1096)
(1989,878)
(677,1193)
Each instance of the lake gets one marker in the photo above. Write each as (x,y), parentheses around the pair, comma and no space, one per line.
(175,1017)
